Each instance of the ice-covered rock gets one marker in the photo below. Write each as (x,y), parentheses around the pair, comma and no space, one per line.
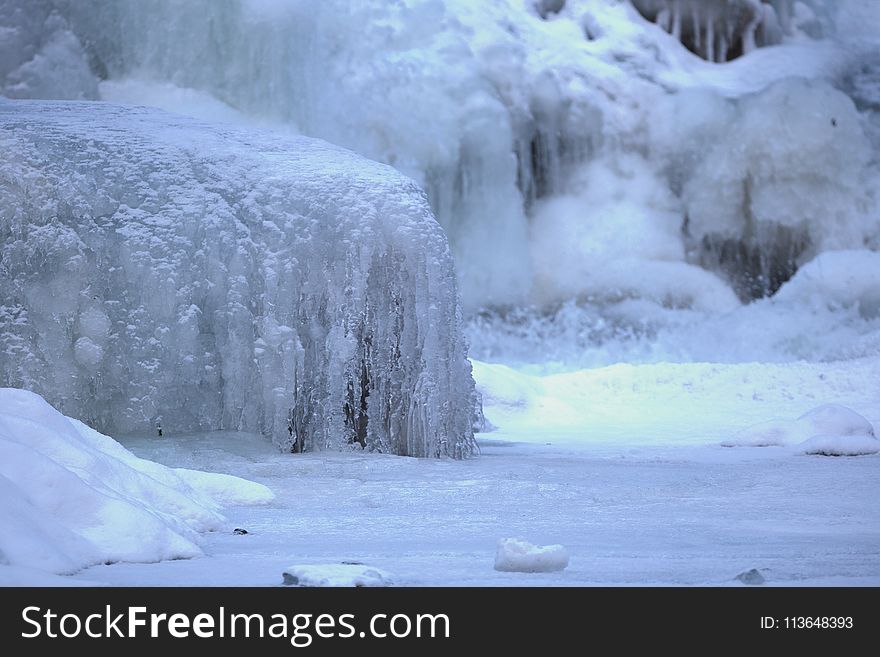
(71,497)
(157,271)
(517,555)
(336,575)
(830,429)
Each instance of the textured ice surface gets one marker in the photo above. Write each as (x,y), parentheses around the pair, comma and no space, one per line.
(161,273)
(71,497)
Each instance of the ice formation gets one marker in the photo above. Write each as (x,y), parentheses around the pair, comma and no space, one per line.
(159,273)
(503,108)
(71,497)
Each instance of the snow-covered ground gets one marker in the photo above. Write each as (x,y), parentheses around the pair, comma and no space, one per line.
(621,466)
(71,497)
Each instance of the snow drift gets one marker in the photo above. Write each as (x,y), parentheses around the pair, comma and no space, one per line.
(71,497)
(161,273)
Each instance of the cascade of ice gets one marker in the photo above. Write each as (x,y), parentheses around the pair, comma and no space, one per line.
(157,272)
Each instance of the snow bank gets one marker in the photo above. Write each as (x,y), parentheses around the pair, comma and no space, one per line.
(516,555)
(71,497)
(830,429)
(337,575)
(159,272)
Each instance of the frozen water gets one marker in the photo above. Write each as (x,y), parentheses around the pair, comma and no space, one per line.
(161,273)
(71,497)
(497,108)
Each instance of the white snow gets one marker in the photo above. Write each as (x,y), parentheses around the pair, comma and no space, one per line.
(643,404)
(829,429)
(71,497)
(518,556)
(162,272)
(337,575)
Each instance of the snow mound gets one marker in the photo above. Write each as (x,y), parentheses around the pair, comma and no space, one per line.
(336,575)
(71,497)
(840,445)
(830,429)
(516,555)
(160,272)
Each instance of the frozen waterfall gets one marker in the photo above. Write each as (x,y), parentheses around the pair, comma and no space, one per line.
(157,272)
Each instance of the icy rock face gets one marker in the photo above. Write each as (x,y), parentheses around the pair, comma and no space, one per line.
(160,272)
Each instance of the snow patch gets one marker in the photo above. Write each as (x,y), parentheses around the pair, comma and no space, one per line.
(517,555)
(336,575)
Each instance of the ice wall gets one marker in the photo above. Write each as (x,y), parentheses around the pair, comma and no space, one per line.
(160,272)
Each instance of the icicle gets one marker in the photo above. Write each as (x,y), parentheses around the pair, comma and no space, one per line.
(676,21)
(710,38)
